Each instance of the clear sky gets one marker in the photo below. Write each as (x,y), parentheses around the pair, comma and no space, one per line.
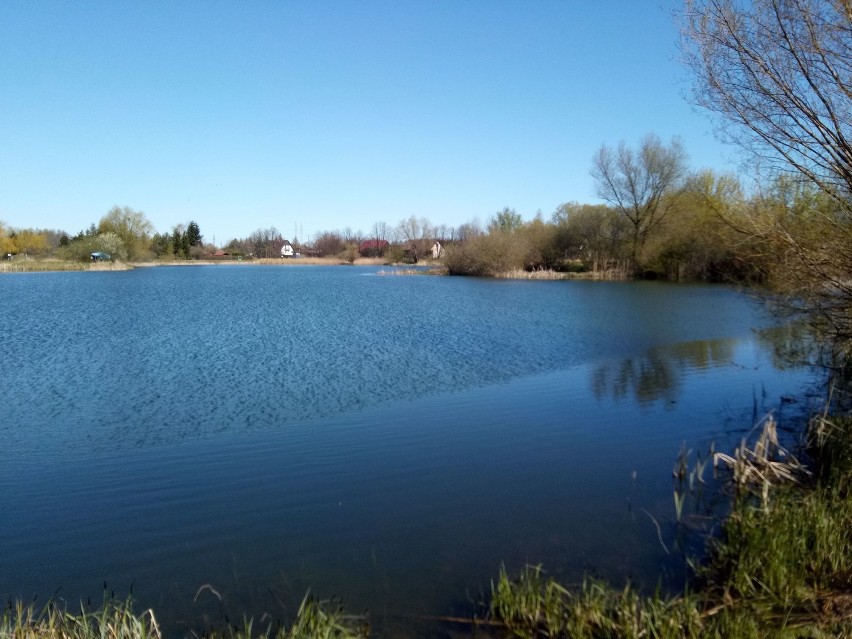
(319,115)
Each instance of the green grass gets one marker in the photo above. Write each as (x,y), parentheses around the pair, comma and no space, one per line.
(117,620)
(781,568)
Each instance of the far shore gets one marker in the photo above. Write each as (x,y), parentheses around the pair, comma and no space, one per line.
(29,265)
(432,267)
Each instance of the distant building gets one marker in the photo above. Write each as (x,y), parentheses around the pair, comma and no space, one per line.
(287,249)
(373,248)
(437,250)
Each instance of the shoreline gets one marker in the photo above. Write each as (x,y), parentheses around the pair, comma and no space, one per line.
(430,267)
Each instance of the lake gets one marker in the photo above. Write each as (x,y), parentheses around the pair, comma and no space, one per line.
(387,440)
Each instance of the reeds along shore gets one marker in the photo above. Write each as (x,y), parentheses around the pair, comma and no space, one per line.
(115,619)
(781,567)
(430,268)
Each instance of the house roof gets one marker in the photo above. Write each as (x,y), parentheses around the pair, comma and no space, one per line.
(374,243)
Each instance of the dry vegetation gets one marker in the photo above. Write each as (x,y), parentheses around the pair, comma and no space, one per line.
(47,265)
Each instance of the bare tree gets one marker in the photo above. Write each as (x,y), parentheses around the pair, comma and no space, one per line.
(641,185)
(469,230)
(417,233)
(265,242)
(379,235)
(780,71)
(329,243)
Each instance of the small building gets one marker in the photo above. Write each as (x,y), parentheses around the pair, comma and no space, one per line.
(287,249)
(437,250)
(373,248)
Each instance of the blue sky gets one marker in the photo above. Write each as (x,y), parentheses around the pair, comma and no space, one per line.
(322,115)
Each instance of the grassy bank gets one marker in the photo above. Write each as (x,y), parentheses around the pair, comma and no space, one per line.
(782,566)
(116,619)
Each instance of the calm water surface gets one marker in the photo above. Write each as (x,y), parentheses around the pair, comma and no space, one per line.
(386,440)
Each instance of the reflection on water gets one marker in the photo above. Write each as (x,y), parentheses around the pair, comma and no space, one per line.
(658,374)
(386,440)
(792,344)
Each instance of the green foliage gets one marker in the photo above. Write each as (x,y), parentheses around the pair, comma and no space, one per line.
(594,234)
(193,234)
(781,568)
(111,244)
(161,246)
(7,244)
(131,226)
(706,240)
(82,247)
(506,221)
(180,242)
(394,254)
(532,606)
(30,242)
(776,75)
(117,620)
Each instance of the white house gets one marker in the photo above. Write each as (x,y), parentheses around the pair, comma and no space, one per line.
(287,249)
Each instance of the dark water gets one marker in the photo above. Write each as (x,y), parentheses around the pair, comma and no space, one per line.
(386,440)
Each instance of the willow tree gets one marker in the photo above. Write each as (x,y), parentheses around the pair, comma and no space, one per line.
(131,226)
(777,76)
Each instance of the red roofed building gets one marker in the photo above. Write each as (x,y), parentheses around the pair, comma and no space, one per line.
(372,248)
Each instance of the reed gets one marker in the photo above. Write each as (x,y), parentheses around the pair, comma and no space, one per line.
(782,566)
(117,620)
(534,606)
(40,266)
(549,274)
(431,270)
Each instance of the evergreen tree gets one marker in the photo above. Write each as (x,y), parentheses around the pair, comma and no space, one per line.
(193,234)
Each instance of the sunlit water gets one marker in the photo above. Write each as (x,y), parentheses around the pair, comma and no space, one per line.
(385,440)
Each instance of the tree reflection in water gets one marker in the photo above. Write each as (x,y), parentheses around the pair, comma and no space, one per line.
(657,375)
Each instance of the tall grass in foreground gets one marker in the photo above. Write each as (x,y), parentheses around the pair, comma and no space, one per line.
(116,620)
(781,568)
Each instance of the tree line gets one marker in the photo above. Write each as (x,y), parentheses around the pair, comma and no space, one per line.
(122,233)
(657,220)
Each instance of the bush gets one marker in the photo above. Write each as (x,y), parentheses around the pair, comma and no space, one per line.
(487,255)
